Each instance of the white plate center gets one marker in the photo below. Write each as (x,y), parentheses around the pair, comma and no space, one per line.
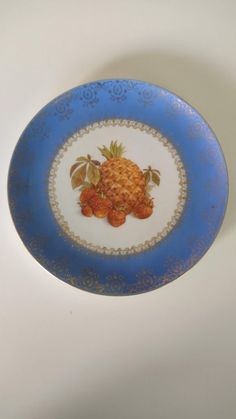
(144,146)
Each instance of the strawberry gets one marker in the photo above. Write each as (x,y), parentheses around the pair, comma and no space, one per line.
(101,212)
(87,194)
(101,206)
(143,211)
(116,218)
(87,211)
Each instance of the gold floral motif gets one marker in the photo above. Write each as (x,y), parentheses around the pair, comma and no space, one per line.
(148,243)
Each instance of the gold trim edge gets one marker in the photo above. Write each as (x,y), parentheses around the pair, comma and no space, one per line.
(148,243)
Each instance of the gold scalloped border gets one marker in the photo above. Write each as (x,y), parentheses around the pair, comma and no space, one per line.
(148,243)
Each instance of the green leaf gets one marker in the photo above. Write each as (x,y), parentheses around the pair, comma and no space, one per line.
(74,166)
(113,148)
(78,176)
(149,188)
(121,150)
(147,177)
(156,178)
(105,152)
(82,159)
(93,174)
(85,185)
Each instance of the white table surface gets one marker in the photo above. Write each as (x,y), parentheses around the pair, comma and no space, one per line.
(68,354)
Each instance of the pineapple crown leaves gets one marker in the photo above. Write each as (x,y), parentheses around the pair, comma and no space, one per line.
(152,175)
(115,150)
(85,172)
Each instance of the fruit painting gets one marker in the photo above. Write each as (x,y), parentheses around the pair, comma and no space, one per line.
(115,187)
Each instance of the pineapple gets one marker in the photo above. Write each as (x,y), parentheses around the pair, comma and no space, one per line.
(121,180)
(114,188)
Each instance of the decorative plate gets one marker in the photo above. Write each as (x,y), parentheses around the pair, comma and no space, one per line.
(117,187)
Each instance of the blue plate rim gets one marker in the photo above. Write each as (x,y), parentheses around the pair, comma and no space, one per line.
(61,96)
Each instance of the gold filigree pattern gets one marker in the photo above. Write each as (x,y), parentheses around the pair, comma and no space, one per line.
(148,243)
